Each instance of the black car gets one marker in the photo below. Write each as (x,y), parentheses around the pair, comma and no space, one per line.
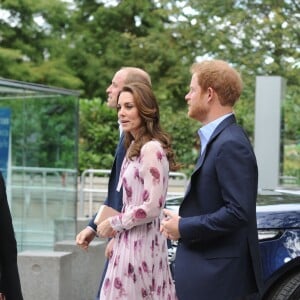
(278,222)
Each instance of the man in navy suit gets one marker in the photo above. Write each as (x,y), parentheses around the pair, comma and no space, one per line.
(10,286)
(124,76)
(217,255)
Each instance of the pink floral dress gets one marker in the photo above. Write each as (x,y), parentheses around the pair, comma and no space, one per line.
(138,268)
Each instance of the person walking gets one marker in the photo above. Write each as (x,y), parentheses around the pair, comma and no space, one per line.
(138,265)
(216,226)
(123,76)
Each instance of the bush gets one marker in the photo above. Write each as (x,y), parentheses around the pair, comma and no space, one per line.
(185,141)
(99,135)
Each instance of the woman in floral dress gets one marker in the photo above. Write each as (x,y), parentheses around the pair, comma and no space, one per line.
(138,267)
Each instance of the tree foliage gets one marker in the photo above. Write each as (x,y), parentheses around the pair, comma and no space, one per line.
(81,44)
(98,135)
(34,38)
(43,131)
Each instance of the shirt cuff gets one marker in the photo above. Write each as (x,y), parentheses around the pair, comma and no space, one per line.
(91,228)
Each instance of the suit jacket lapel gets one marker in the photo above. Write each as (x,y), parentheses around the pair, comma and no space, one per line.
(225,123)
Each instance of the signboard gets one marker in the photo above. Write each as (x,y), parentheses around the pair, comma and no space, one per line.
(4,140)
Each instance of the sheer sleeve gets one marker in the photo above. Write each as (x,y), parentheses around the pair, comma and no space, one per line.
(152,174)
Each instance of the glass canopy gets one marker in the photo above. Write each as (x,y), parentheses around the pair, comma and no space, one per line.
(38,160)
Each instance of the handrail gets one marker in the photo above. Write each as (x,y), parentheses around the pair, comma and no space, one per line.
(87,188)
(90,173)
(30,180)
(91,189)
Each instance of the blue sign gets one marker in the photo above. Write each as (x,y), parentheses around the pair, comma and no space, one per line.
(4,140)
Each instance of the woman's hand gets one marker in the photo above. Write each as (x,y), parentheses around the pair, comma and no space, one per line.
(104,229)
(109,248)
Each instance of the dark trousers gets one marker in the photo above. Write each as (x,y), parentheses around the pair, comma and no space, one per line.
(102,278)
(251,297)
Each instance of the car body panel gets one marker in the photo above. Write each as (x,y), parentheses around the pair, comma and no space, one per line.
(278,222)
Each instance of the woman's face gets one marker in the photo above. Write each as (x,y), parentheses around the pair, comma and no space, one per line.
(128,114)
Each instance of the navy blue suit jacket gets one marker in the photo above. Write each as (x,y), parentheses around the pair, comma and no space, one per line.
(218,256)
(114,198)
(9,274)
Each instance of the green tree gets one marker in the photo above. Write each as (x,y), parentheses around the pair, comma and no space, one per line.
(133,32)
(43,131)
(99,135)
(257,37)
(34,42)
(82,44)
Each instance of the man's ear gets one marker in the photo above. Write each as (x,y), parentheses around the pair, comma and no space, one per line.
(210,93)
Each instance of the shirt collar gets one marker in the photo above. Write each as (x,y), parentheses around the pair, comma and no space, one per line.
(206,131)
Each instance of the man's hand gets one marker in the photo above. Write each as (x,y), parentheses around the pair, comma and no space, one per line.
(84,238)
(170,225)
(104,229)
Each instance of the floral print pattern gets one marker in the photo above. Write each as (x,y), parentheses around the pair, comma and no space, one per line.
(138,268)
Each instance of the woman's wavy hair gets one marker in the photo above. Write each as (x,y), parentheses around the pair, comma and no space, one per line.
(148,109)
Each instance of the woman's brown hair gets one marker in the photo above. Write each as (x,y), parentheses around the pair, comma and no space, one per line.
(148,109)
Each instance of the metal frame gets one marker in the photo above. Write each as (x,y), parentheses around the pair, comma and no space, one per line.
(17,87)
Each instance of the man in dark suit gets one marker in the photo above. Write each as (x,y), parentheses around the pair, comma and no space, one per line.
(10,287)
(217,255)
(124,76)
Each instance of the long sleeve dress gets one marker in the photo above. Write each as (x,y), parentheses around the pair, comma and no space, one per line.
(138,268)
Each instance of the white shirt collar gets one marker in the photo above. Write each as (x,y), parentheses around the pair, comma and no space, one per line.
(206,131)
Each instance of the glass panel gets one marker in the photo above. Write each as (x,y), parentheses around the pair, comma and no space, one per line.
(41,177)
